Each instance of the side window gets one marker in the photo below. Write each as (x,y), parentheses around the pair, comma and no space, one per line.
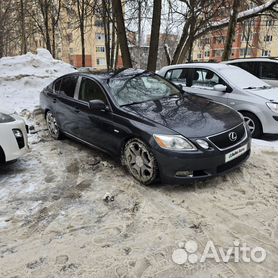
(179,75)
(269,70)
(206,79)
(90,90)
(168,74)
(68,85)
(57,86)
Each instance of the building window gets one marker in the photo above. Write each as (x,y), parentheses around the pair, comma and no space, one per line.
(248,52)
(218,53)
(220,39)
(268,38)
(199,56)
(71,51)
(99,23)
(266,53)
(101,62)
(69,37)
(70,25)
(100,37)
(207,53)
(100,49)
(245,37)
(269,22)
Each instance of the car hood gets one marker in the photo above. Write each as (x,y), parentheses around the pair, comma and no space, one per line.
(269,94)
(188,115)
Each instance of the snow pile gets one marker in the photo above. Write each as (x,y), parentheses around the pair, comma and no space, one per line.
(263,144)
(23,77)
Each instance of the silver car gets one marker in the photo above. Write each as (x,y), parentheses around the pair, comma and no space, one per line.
(264,68)
(253,98)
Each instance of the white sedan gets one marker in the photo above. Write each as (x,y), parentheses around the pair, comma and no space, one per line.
(13,137)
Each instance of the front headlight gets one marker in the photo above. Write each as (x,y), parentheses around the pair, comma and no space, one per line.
(174,142)
(273,106)
(4,118)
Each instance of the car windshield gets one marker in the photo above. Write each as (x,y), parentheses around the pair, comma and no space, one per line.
(243,79)
(141,88)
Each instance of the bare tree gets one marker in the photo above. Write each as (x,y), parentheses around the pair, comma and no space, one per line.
(121,32)
(208,13)
(231,30)
(154,41)
(5,12)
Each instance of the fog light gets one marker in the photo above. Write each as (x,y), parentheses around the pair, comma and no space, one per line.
(19,138)
(184,174)
(202,143)
(17,133)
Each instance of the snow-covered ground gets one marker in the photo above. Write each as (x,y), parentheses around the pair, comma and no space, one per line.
(54,222)
(23,77)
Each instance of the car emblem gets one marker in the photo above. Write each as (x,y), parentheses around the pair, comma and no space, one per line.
(232,136)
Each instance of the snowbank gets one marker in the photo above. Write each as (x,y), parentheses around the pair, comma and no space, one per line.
(23,77)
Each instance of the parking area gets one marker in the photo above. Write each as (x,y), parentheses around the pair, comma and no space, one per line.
(68,209)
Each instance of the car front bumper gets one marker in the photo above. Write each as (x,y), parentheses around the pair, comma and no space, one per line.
(12,147)
(179,168)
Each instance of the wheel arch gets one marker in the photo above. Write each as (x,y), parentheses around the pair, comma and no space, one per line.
(45,112)
(2,156)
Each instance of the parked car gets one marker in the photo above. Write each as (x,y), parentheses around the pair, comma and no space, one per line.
(13,137)
(156,129)
(232,86)
(264,68)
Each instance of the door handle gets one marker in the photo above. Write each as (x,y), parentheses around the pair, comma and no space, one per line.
(54,100)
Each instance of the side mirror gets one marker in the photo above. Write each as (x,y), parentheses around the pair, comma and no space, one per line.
(220,88)
(180,87)
(97,105)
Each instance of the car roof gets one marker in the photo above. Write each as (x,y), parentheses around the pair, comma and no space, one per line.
(262,59)
(212,66)
(106,75)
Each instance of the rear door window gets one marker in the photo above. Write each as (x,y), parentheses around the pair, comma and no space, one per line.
(68,84)
(207,79)
(269,70)
(57,86)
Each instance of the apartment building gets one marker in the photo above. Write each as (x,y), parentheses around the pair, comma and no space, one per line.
(70,49)
(68,42)
(256,37)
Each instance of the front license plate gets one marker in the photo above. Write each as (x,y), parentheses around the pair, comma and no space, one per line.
(236,153)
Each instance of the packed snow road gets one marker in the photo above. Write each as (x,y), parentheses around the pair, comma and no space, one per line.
(69,210)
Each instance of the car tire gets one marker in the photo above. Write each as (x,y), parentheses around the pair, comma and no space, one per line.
(140,161)
(254,124)
(2,156)
(52,126)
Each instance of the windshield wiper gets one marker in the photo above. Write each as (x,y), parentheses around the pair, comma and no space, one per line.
(265,87)
(253,88)
(133,103)
(155,99)
(250,88)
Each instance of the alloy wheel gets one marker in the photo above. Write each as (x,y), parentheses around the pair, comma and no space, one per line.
(251,124)
(52,125)
(140,161)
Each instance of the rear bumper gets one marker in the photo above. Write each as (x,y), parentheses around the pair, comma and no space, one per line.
(179,168)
